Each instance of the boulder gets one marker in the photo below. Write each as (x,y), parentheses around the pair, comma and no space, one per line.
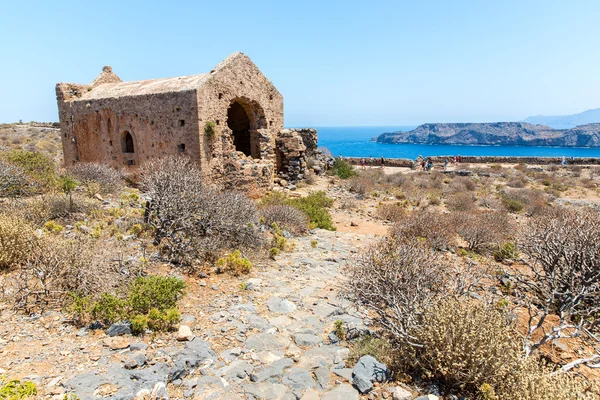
(368,370)
(119,328)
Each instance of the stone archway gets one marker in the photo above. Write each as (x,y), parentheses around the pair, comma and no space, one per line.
(245,118)
(239,123)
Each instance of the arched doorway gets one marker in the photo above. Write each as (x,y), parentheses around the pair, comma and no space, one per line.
(127,143)
(246,119)
(239,123)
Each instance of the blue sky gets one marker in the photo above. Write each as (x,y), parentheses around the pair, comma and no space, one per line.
(335,62)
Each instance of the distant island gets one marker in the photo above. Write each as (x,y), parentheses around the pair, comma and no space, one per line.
(497,133)
(566,121)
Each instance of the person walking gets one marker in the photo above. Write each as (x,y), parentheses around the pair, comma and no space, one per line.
(362,162)
(382,162)
(371,162)
(446,164)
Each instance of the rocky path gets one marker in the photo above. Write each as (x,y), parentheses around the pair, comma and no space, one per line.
(274,342)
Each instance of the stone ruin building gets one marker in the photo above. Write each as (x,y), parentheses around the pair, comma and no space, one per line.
(228,121)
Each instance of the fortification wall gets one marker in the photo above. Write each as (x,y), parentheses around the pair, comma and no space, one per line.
(405,162)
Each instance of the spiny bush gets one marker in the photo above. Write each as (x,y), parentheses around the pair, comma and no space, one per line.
(391,212)
(465,344)
(97,178)
(192,220)
(461,202)
(14,182)
(482,230)
(289,218)
(399,279)
(429,226)
(563,273)
(342,168)
(54,267)
(15,237)
(234,263)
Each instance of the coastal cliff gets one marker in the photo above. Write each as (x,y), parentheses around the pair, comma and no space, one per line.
(497,133)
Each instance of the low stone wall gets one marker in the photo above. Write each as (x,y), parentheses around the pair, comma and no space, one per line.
(405,162)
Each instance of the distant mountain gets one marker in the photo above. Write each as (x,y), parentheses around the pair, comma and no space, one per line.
(497,133)
(567,121)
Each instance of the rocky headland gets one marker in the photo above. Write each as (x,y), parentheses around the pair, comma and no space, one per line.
(497,133)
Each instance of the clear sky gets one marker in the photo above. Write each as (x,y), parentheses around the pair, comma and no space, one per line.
(335,62)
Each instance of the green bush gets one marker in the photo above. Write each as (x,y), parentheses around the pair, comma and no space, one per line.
(343,169)
(38,165)
(15,389)
(151,302)
(234,263)
(155,292)
(315,207)
(513,205)
(508,251)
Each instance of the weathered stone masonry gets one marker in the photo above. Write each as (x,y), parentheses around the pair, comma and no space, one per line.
(229,121)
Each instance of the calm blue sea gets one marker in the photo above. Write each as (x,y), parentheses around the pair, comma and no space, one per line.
(354,141)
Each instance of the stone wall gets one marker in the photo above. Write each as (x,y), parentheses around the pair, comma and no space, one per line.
(405,162)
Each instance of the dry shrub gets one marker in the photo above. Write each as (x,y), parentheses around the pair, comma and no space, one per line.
(396,179)
(97,178)
(51,206)
(432,227)
(14,182)
(348,204)
(192,220)
(286,217)
(56,267)
(400,279)
(462,184)
(563,276)
(490,202)
(516,182)
(15,234)
(461,202)
(482,230)
(391,212)
(528,199)
(465,344)
(361,185)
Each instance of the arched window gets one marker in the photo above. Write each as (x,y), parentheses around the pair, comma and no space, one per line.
(127,143)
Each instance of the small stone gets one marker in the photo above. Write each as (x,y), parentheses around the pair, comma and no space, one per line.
(117,343)
(159,392)
(399,393)
(119,328)
(185,334)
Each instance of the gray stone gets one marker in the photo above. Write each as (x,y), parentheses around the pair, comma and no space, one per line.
(267,341)
(266,390)
(119,328)
(298,380)
(274,370)
(318,356)
(281,306)
(322,375)
(343,391)
(257,322)
(239,369)
(367,371)
(138,346)
(345,373)
(188,319)
(307,339)
(135,360)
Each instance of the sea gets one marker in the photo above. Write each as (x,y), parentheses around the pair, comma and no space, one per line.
(355,141)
